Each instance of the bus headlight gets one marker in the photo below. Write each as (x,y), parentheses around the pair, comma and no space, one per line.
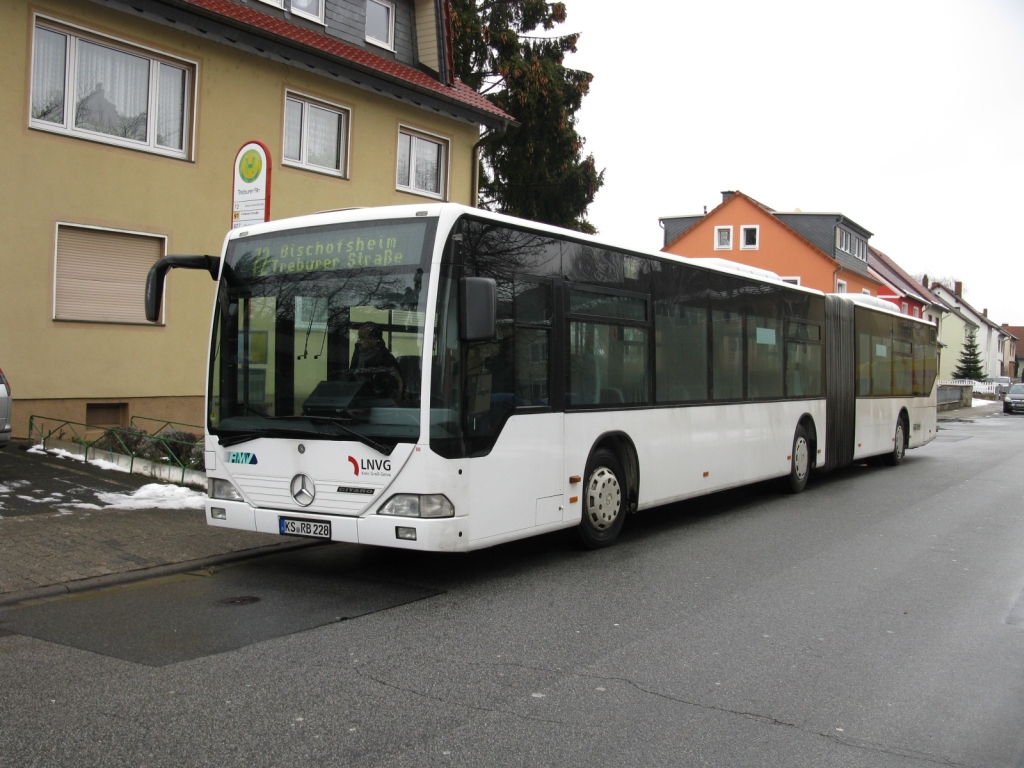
(414,505)
(221,489)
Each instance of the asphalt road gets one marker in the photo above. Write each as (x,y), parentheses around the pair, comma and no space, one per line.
(877,619)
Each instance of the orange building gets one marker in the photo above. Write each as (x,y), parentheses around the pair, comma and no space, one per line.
(826,251)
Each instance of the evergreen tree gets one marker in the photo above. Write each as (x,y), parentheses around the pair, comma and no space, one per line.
(536,170)
(969,364)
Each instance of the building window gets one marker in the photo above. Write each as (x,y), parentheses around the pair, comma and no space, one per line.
(851,244)
(749,237)
(100,274)
(309,9)
(840,286)
(315,135)
(95,88)
(791,280)
(106,414)
(917,312)
(905,308)
(865,291)
(723,238)
(275,3)
(422,163)
(380,23)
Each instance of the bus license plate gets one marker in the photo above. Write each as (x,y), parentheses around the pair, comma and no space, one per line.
(315,528)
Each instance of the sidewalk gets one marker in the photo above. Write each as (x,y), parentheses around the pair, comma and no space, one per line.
(49,547)
(967,414)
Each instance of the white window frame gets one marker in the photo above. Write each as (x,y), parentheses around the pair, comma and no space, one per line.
(723,247)
(866,291)
(303,162)
(905,308)
(161,321)
(917,312)
(840,286)
(757,237)
(443,169)
(388,44)
(792,280)
(305,14)
(74,35)
(275,3)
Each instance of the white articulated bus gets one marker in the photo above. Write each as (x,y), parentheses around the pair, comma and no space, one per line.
(442,378)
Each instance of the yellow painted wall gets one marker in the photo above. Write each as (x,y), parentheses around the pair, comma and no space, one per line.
(49,178)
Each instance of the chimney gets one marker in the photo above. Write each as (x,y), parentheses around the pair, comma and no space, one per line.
(727,194)
(958,288)
(985,312)
(924,281)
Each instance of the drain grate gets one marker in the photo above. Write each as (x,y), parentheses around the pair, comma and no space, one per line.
(244,600)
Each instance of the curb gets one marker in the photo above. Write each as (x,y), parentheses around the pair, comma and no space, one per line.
(142,574)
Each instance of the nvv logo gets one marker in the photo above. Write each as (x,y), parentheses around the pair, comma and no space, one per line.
(238,457)
(373,466)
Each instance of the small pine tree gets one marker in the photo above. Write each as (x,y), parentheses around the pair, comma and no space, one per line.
(503,49)
(969,364)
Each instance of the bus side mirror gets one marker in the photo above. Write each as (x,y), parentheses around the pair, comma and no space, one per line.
(478,309)
(157,273)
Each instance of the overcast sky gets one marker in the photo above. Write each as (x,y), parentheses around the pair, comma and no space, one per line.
(906,116)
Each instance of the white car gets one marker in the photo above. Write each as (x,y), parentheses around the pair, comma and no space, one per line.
(5,411)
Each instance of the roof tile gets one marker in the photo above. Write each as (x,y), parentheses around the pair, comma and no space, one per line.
(458,91)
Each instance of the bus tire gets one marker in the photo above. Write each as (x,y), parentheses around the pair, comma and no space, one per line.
(799,462)
(899,445)
(604,500)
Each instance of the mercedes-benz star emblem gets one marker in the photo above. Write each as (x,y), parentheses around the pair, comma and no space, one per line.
(303,490)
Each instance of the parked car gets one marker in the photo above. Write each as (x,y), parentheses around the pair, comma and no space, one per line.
(1003,383)
(5,411)
(1014,400)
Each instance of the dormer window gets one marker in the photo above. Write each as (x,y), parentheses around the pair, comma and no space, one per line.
(309,9)
(380,23)
(851,244)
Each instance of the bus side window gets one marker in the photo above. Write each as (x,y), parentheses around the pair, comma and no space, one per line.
(680,334)
(727,337)
(533,315)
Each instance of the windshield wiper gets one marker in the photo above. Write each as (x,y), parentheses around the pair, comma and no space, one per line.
(333,421)
(234,438)
(242,437)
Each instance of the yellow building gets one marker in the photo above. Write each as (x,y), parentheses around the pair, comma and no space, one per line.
(120,125)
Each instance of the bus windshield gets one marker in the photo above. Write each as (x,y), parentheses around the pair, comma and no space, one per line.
(319,333)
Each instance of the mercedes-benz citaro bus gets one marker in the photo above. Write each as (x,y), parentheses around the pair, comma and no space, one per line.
(442,378)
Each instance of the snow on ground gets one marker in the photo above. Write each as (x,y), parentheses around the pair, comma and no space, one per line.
(978,402)
(60,453)
(151,496)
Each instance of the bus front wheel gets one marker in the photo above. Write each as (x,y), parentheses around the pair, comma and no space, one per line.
(799,462)
(604,500)
(899,446)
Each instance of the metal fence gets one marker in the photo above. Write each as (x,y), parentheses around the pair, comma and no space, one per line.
(168,444)
(980,387)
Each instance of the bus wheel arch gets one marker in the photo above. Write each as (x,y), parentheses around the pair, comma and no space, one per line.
(612,475)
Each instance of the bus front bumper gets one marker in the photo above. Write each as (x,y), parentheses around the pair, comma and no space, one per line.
(447,534)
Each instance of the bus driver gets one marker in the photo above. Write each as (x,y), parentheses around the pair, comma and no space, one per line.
(373,357)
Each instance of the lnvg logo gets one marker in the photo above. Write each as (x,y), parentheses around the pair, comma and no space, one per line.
(238,457)
(372,467)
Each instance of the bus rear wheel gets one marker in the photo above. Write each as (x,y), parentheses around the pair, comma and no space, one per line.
(799,462)
(899,446)
(604,500)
